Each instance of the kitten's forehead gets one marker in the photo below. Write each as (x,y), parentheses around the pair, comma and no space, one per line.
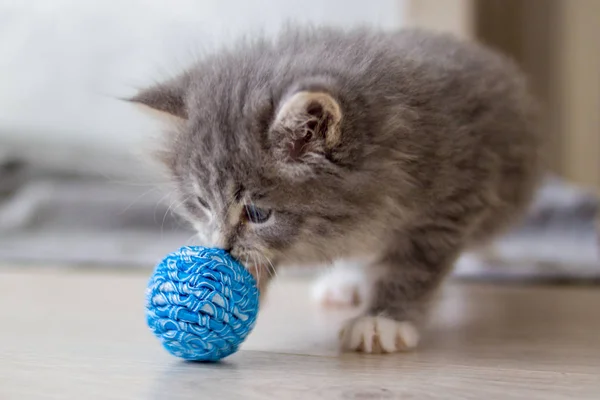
(213,181)
(226,133)
(228,164)
(226,174)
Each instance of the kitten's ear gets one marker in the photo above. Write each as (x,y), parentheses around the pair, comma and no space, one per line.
(308,122)
(165,101)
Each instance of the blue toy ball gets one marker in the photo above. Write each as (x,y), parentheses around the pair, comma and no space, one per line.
(201,303)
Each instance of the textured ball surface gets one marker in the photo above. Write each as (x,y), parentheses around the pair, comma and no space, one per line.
(201,303)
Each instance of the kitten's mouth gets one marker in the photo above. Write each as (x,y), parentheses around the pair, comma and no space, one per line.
(258,271)
(259,266)
(261,275)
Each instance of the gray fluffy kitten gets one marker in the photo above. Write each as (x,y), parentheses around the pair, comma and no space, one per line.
(400,149)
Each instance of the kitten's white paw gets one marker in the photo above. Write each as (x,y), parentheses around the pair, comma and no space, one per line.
(341,287)
(378,335)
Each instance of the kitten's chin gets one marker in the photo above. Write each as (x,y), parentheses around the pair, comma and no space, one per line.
(262,274)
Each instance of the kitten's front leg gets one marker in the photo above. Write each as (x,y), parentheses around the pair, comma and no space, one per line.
(406,280)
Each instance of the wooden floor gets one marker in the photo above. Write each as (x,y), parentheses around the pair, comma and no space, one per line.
(82,335)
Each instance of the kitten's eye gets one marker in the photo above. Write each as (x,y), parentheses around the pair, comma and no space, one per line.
(257,215)
(202,202)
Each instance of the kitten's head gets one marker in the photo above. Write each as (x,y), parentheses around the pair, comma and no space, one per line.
(267,167)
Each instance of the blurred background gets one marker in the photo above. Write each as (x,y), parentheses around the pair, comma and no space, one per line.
(76,190)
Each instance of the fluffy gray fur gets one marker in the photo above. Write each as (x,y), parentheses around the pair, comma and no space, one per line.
(407,149)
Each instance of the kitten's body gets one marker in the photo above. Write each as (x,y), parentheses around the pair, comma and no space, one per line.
(402,148)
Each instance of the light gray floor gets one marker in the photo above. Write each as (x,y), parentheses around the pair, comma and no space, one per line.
(82,335)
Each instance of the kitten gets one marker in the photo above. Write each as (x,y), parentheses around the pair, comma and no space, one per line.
(403,149)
